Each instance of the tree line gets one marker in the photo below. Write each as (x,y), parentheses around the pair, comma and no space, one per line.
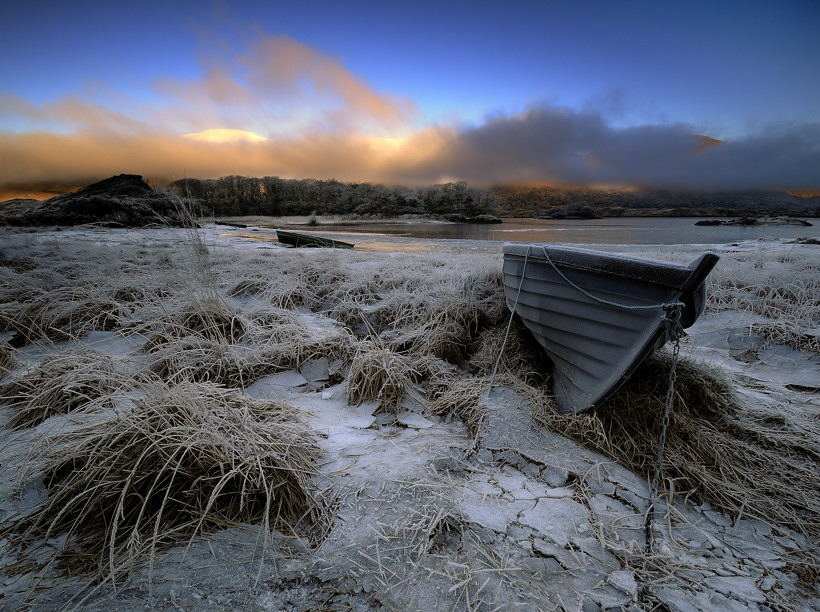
(274,196)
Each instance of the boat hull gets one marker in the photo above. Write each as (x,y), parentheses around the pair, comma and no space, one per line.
(308,240)
(598,315)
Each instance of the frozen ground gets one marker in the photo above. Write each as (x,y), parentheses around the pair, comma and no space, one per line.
(427,517)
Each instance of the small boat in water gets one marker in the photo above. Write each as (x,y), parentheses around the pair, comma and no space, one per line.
(309,240)
(598,315)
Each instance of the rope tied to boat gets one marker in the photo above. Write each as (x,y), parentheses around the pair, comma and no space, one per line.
(600,300)
(509,323)
(673,331)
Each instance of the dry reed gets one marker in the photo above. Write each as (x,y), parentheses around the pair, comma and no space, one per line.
(59,315)
(288,345)
(180,462)
(6,360)
(714,449)
(462,399)
(272,324)
(197,359)
(786,289)
(377,373)
(65,382)
(207,315)
(522,357)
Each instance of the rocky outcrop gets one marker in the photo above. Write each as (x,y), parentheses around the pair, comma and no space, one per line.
(125,200)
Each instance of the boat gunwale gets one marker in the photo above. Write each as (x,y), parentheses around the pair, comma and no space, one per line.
(655,271)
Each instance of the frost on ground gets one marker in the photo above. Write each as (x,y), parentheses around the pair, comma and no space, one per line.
(423,512)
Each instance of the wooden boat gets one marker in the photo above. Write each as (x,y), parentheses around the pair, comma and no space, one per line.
(598,315)
(309,240)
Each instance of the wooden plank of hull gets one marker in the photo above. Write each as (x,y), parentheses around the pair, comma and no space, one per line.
(594,346)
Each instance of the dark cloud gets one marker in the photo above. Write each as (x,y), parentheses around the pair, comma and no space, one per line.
(564,146)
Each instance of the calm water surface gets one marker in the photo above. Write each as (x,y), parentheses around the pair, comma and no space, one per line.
(620,230)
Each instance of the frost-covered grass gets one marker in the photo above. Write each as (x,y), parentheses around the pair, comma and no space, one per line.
(175,462)
(783,286)
(65,382)
(208,321)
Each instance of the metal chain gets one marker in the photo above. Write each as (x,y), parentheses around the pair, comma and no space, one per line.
(673,330)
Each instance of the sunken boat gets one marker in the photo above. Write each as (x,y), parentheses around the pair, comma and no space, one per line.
(309,240)
(599,315)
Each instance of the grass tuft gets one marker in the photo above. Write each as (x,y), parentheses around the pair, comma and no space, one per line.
(197,359)
(6,360)
(65,382)
(377,373)
(181,462)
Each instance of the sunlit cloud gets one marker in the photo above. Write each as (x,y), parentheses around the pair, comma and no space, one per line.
(281,87)
(225,135)
(283,108)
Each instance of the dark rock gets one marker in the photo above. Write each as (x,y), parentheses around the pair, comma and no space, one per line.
(744,221)
(456,218)
(749,221)
(485,219)
(120,201)
(459,218)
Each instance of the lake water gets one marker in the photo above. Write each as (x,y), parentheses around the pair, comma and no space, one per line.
(618,230)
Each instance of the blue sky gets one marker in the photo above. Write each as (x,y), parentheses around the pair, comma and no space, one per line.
(595,92)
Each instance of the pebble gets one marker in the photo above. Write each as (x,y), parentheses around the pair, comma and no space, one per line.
(625,581)
(531,470)
(555,477)
(737,587)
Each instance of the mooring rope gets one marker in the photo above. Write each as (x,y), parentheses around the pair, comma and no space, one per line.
(509,323)
(602,300)
(671,319)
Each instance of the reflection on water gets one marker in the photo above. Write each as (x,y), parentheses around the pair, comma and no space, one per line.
(620,230)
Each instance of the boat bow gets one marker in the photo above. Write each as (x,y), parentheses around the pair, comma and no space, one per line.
(598,315)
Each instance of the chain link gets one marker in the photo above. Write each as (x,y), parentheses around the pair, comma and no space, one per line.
(673,329)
